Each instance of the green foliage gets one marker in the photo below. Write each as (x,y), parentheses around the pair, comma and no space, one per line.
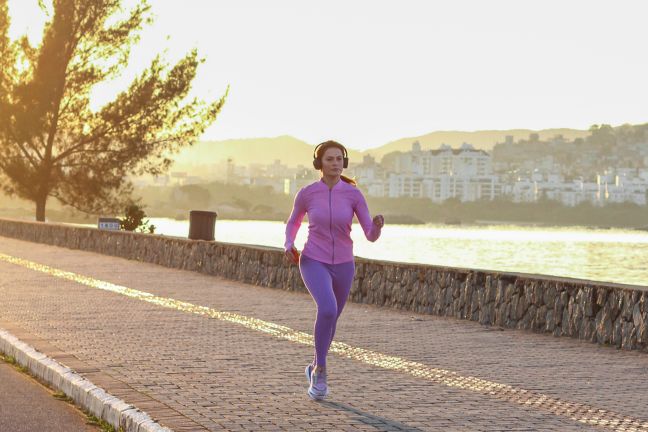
(263,209)
(60,395)
(104,426)
(262,204)
(134,220)
(192,196)
(244,204)
(248,201)
(545,212)
(9,359)
(604,147)
(53,145)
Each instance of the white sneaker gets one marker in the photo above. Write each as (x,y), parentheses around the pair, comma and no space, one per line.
(309,371)
(318,388)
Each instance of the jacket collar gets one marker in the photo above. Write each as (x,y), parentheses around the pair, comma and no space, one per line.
(337,185)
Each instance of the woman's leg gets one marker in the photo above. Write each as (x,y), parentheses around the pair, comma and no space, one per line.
(343,275)
(318,280)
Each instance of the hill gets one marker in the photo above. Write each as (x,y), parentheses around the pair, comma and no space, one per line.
(206,155)
(484,140)
(291,151)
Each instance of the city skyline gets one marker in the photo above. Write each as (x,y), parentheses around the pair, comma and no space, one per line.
(515,172)
(367,73)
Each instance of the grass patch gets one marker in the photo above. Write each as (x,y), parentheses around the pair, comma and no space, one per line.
(63,397)
(7,359)
(91,419)
(12,361)
(102,424)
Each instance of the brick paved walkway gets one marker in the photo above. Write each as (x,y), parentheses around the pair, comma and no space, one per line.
(194,372)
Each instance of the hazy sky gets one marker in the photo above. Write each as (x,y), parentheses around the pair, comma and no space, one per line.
(366,72)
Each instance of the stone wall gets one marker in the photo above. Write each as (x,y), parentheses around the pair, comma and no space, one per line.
(606,313)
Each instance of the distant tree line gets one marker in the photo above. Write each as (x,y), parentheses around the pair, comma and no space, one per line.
(605,147)
(254,202)
(261,203)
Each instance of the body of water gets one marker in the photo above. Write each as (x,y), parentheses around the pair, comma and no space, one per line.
(612,255)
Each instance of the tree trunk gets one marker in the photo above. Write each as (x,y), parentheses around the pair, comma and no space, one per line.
(40,208)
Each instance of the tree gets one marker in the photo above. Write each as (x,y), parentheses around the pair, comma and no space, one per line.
(52,144)
(134,219)
(191,195)
(602,136)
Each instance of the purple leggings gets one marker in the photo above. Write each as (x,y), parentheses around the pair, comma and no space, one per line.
(329,284)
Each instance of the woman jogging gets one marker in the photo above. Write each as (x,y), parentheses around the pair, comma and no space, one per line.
(326,264)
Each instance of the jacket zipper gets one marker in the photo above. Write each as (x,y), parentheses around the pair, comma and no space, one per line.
(331,225)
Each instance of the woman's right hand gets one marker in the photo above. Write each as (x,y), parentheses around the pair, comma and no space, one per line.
(292,255)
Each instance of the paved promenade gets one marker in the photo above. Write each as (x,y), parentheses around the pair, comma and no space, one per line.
(203,353)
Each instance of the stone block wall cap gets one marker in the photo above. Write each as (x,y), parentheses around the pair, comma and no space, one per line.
(359,260)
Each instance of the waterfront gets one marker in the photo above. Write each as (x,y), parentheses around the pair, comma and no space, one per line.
(612,255)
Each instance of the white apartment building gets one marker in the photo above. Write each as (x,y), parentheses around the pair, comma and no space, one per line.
(443,187)
(368,170)
(626,188)
(523,190)
(370,175)
(404,185)
(463,173)
(467,174)
(303,178)
(464,188)
(607,189)
(464,161)
(571,193)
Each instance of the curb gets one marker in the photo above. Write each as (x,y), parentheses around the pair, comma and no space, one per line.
(84,393)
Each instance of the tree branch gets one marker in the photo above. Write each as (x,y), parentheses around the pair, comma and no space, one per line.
(34,148)
(90,139)
(19,180)
(68,203)
(27,155)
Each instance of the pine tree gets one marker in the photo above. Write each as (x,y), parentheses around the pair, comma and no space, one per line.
(53,145)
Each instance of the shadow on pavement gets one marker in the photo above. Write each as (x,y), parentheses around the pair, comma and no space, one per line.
(379,423)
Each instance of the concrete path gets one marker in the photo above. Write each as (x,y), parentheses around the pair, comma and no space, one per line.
(203,353)
(27,406)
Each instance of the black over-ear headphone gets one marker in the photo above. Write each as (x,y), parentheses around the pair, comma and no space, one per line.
(317,162)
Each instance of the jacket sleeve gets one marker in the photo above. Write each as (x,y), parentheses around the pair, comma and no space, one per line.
(372,232)
(294,221)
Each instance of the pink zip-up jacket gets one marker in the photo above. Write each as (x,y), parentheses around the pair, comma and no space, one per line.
(330,214)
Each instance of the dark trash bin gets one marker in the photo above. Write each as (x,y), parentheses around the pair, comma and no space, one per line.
(202,224)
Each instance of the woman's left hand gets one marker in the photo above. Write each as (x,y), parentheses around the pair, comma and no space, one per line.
(379,221)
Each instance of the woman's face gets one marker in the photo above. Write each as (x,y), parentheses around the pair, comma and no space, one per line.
(332,162)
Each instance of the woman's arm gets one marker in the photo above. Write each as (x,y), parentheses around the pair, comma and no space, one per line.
(371,229)
(295,220)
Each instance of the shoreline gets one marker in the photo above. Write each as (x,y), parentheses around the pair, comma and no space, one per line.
(63,217)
